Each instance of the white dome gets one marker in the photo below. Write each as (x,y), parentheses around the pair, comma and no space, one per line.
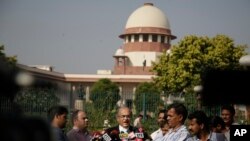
(148,16)
(119,52)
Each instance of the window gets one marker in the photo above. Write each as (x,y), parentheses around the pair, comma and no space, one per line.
(129,38)
(162,39)
(168,40)
(154,38)
(136,38)
(145,37)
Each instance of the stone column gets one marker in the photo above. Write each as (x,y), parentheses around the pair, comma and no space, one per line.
(133,105)
(87,92)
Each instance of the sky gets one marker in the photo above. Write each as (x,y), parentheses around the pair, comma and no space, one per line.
(81,36)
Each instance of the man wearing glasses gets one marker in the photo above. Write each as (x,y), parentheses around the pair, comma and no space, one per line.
(124,131)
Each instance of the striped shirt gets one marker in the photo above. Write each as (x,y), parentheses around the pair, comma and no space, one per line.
(179,134)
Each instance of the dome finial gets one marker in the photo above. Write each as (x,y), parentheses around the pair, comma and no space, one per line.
(148,3)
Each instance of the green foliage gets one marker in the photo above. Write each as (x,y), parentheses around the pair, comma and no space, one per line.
(191,57)
(8,71)
(191,102)
(150,125)
(37,98)
(105,95)
(97,117)
(9,59)
(7,63)
(152,97)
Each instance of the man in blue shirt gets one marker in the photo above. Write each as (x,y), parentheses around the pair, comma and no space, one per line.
(57,116)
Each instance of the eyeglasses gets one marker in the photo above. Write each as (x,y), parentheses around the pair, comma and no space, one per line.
(124,116)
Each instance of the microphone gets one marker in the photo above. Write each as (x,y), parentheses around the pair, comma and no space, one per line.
(110,136)
(114,135)
(106,137)
(139,135)
(123,136)
(131,135)
(96,136)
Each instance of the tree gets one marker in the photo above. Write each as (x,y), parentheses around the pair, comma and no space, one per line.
(8,71)
(105,94)
(9,59)
(191,57)
(37,99)
(152,97)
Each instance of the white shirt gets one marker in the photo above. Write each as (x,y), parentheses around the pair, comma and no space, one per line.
(122,129)
(137,122)
(156,134)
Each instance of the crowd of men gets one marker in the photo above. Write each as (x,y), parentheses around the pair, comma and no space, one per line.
(171,122)
(17,127)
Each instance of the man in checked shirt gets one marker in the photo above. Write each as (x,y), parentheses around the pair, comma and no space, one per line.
(176,116)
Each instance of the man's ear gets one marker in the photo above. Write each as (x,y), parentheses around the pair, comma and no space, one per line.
(180,117)
(74,120)
(56,116)
(117,118)
(202,126)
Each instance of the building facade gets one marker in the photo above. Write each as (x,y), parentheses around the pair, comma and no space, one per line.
(146,36)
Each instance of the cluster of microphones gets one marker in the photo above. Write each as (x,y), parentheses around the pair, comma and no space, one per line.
(115,135)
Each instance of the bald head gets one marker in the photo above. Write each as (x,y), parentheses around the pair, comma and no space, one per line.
(122,109)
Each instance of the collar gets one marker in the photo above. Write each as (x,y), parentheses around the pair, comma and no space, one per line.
(78,130)
(58,129)
(159,130)
(208,138)
(123,129)
(179,128)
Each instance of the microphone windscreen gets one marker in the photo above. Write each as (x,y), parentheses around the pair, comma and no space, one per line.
(140,129)
(114,132)
(131,135)
(106,137)
(96,134)
(123,135)
(139,135)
